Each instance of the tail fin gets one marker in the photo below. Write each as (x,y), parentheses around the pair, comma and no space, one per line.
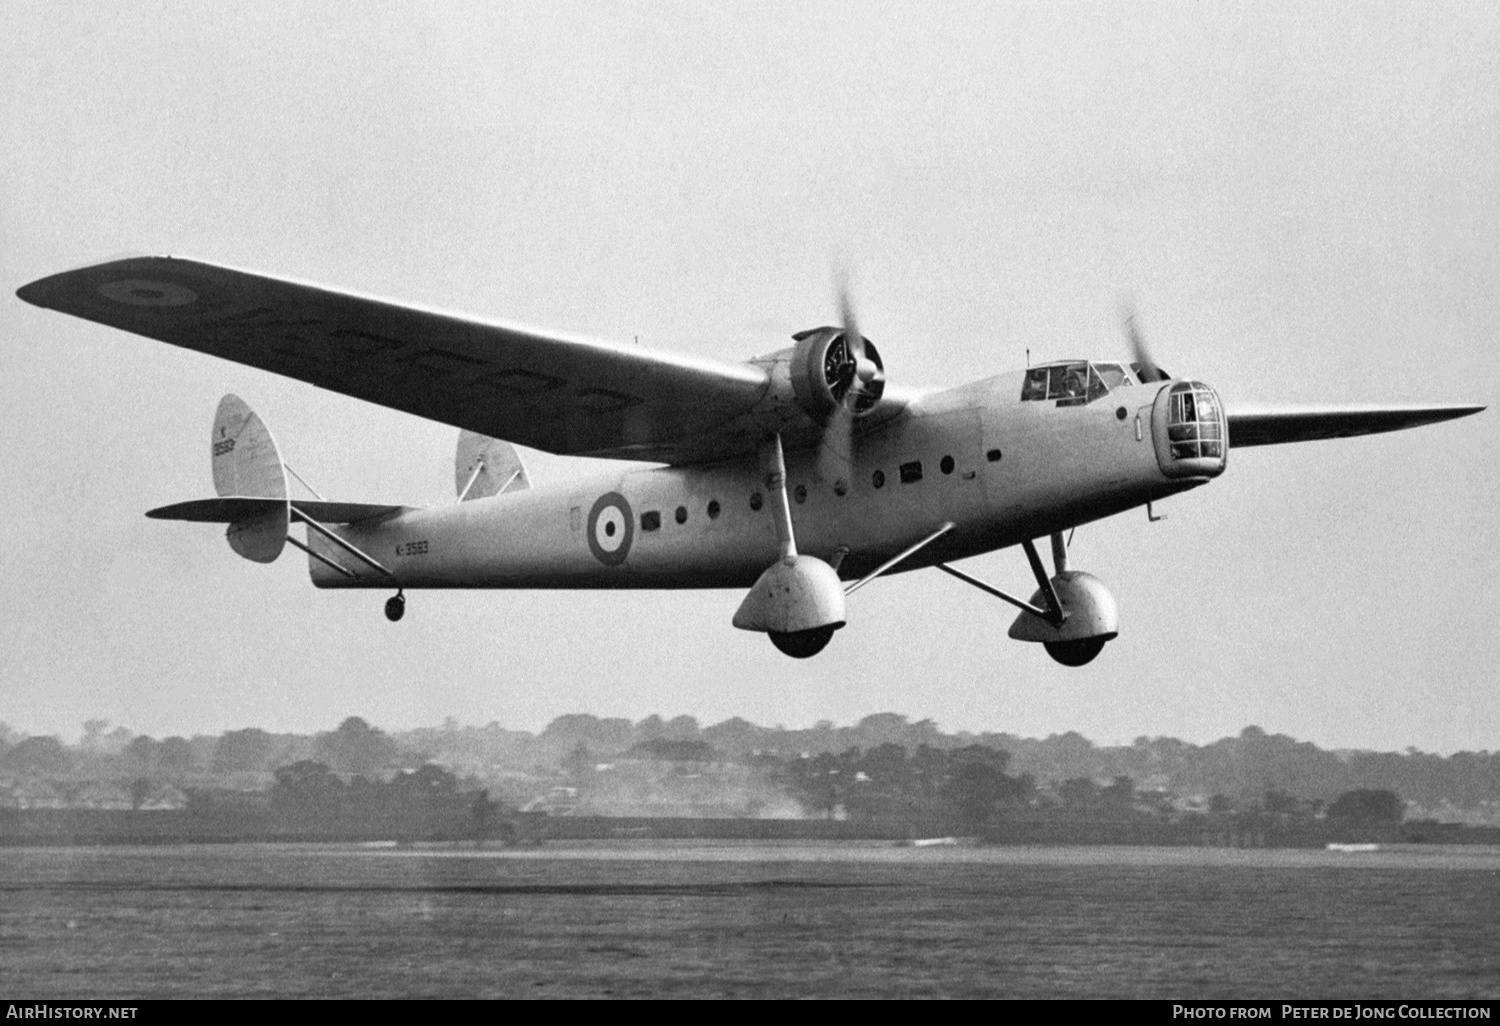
(247,464)
(486,466)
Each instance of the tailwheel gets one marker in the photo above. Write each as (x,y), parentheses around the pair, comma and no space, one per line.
(1075,653)
(802,644)
(395,607)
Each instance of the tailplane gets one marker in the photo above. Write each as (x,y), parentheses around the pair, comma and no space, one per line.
(250,477)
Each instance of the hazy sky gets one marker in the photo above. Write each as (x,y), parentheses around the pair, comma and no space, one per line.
(1303,198)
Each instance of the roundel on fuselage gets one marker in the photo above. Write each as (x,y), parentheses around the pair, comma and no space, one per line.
(611,527)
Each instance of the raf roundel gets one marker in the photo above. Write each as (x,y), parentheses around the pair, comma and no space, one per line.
(136,292)
(611,526)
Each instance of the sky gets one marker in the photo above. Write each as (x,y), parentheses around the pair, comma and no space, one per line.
(1302,199)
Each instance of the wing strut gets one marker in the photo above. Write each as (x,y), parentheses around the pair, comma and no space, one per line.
(883,567)
(1054,613)
(322,558)
(347,546)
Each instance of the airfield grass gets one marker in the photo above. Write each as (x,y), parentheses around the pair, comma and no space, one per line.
(759,921)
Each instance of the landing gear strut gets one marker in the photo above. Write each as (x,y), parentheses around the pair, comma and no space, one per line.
(395,606)
(1072,614)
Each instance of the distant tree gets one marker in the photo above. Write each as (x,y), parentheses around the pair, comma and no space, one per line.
(682,728)
(355,747)
(1119,795)
(243,750)
(141,753)
(93,732)
(306,786)
(1078,793)
(1367,806)
(977,785)
(42,755)
(426,785)
(579,761)
(1220,803)
(667,750)
(175,755)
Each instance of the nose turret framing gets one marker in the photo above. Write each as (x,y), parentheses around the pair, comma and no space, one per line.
(1187,426)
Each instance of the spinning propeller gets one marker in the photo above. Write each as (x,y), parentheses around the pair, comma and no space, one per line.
(1146,369)
(855,380)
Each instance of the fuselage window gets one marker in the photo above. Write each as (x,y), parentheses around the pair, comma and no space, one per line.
(713,509)
(650,520)
(946,466)
(800,493)
(755,501)
(993,455)
(681,514)
(878,479)
(911,472)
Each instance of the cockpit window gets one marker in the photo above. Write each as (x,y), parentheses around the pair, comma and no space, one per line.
(1112,374)
(1070,384)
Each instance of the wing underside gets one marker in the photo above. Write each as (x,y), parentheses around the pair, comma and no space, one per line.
(1278,425)
(545,390)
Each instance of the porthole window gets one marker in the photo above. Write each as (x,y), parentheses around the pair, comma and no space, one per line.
(841,487)
(946,466)
(993,455)
(651,520)
(681,514)
(911,472)
(755,500)
(878,479)
(713,509)
(800,493)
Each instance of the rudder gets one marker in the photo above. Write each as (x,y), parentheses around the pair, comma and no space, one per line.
(247,463)
(485,466)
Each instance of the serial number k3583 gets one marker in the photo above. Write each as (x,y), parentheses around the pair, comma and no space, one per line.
(412,548)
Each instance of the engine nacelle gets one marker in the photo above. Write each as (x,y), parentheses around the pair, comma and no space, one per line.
(1092,619)
(798,601)
(825,373)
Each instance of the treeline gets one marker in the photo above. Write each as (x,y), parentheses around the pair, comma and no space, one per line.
(1252,769)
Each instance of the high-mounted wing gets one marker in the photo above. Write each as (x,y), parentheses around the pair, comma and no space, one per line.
(549,391)
(1276,425)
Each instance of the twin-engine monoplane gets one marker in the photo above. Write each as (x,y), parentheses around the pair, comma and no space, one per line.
(801,475)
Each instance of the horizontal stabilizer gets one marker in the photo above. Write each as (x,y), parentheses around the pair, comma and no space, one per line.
(1275,425)
(231,509)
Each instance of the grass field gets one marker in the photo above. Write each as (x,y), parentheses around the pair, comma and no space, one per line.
(802,920)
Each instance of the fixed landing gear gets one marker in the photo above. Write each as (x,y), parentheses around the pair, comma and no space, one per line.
(1075,653)
(803,644)
(395,607)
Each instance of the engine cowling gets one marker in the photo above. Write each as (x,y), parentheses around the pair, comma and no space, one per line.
(828,373)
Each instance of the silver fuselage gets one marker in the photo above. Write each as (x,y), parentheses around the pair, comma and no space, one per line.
(1057,467)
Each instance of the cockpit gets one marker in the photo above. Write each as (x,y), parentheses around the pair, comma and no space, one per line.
(1074,382)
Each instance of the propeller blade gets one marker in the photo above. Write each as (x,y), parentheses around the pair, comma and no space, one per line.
(1148,369)
(836,448)
(854,341)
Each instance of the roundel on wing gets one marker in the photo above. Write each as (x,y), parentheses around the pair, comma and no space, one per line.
(136,292)
(611,527)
